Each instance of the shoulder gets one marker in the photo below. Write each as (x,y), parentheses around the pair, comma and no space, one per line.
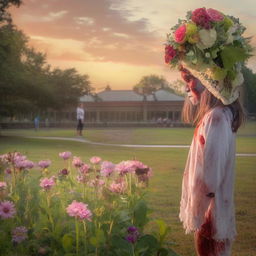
(218,116)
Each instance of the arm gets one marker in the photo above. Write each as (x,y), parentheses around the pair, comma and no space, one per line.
(215,150)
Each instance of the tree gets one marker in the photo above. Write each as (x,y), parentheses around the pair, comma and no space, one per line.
(4,5)
(150,84)
(67,86)
(27,82)
(179,87)
(250,89)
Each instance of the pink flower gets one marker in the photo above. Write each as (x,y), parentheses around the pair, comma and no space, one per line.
(215,15)
(170,53)
(125,167)
(77,162)
(96,183)
(201,18)
(180,34)
(79,210)
(8,171)
(3,185)
(7,209)
(95,160)
(46,183)
(84,169)
(22,163)
(44,164)
(19,234)
(65,155)
(81,179)
(63,172)
(118,187)
(107,168)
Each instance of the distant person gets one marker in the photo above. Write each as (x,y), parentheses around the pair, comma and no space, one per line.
(80,119)
(36,122)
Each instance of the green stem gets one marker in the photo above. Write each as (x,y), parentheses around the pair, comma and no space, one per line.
(85,237)
(84,190)
(77,236)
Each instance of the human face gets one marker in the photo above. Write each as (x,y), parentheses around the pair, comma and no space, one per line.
(194,87)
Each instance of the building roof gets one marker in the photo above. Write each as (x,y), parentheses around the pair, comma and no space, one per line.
(120,95)
(163,95)
(87,98)
(130,95)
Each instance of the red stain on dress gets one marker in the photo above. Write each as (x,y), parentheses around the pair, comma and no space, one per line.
(206,245)
(201,139)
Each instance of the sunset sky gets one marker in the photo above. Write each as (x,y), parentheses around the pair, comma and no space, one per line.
(115,42)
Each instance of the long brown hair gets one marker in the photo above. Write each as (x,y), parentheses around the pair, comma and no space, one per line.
(193,114)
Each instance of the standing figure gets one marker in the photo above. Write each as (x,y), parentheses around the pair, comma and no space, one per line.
(80,119)
(36,123)
(201,47)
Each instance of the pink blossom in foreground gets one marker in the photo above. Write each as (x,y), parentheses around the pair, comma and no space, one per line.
(7,209)
(125,167)
(4,158)
(19,234)
(63,172)
(24,164)
(8,171)
(107,168)
(44,164)
(79,210)
(95,160)
(81,179)
(65,155)
(3,185)
(77,162)
(96,183)
(118,187)
(84,168)
(46,183)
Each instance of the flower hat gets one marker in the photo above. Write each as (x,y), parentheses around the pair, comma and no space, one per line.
(211,47)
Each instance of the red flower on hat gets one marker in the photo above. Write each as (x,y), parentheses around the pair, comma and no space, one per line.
(170,53)
(201,18)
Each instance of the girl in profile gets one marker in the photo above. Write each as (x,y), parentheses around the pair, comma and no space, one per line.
(208,48)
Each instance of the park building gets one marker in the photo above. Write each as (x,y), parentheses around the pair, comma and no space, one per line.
(126,107)
(123,108)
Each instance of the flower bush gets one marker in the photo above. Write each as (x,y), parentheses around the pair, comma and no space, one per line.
(94,208)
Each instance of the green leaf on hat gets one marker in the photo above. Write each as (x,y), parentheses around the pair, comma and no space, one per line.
(219,73)
(231,55)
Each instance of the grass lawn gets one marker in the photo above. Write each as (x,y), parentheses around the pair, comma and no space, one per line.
(167,164)
(246,137)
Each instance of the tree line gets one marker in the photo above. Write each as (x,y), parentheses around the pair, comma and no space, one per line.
(27,82)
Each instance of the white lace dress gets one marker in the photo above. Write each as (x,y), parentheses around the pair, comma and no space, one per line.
(210,169)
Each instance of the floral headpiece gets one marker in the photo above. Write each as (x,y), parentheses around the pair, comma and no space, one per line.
(210,46)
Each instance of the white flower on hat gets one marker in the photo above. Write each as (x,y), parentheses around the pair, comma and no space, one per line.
(239,79)
(207,38)
(230,36)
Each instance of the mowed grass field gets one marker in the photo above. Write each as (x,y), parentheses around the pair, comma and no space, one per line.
(168,164)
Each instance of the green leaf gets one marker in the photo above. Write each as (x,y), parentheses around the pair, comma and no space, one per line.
(67,242)
(121,244)
(140,213)
(98,239)
(230,55)
(147,243)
